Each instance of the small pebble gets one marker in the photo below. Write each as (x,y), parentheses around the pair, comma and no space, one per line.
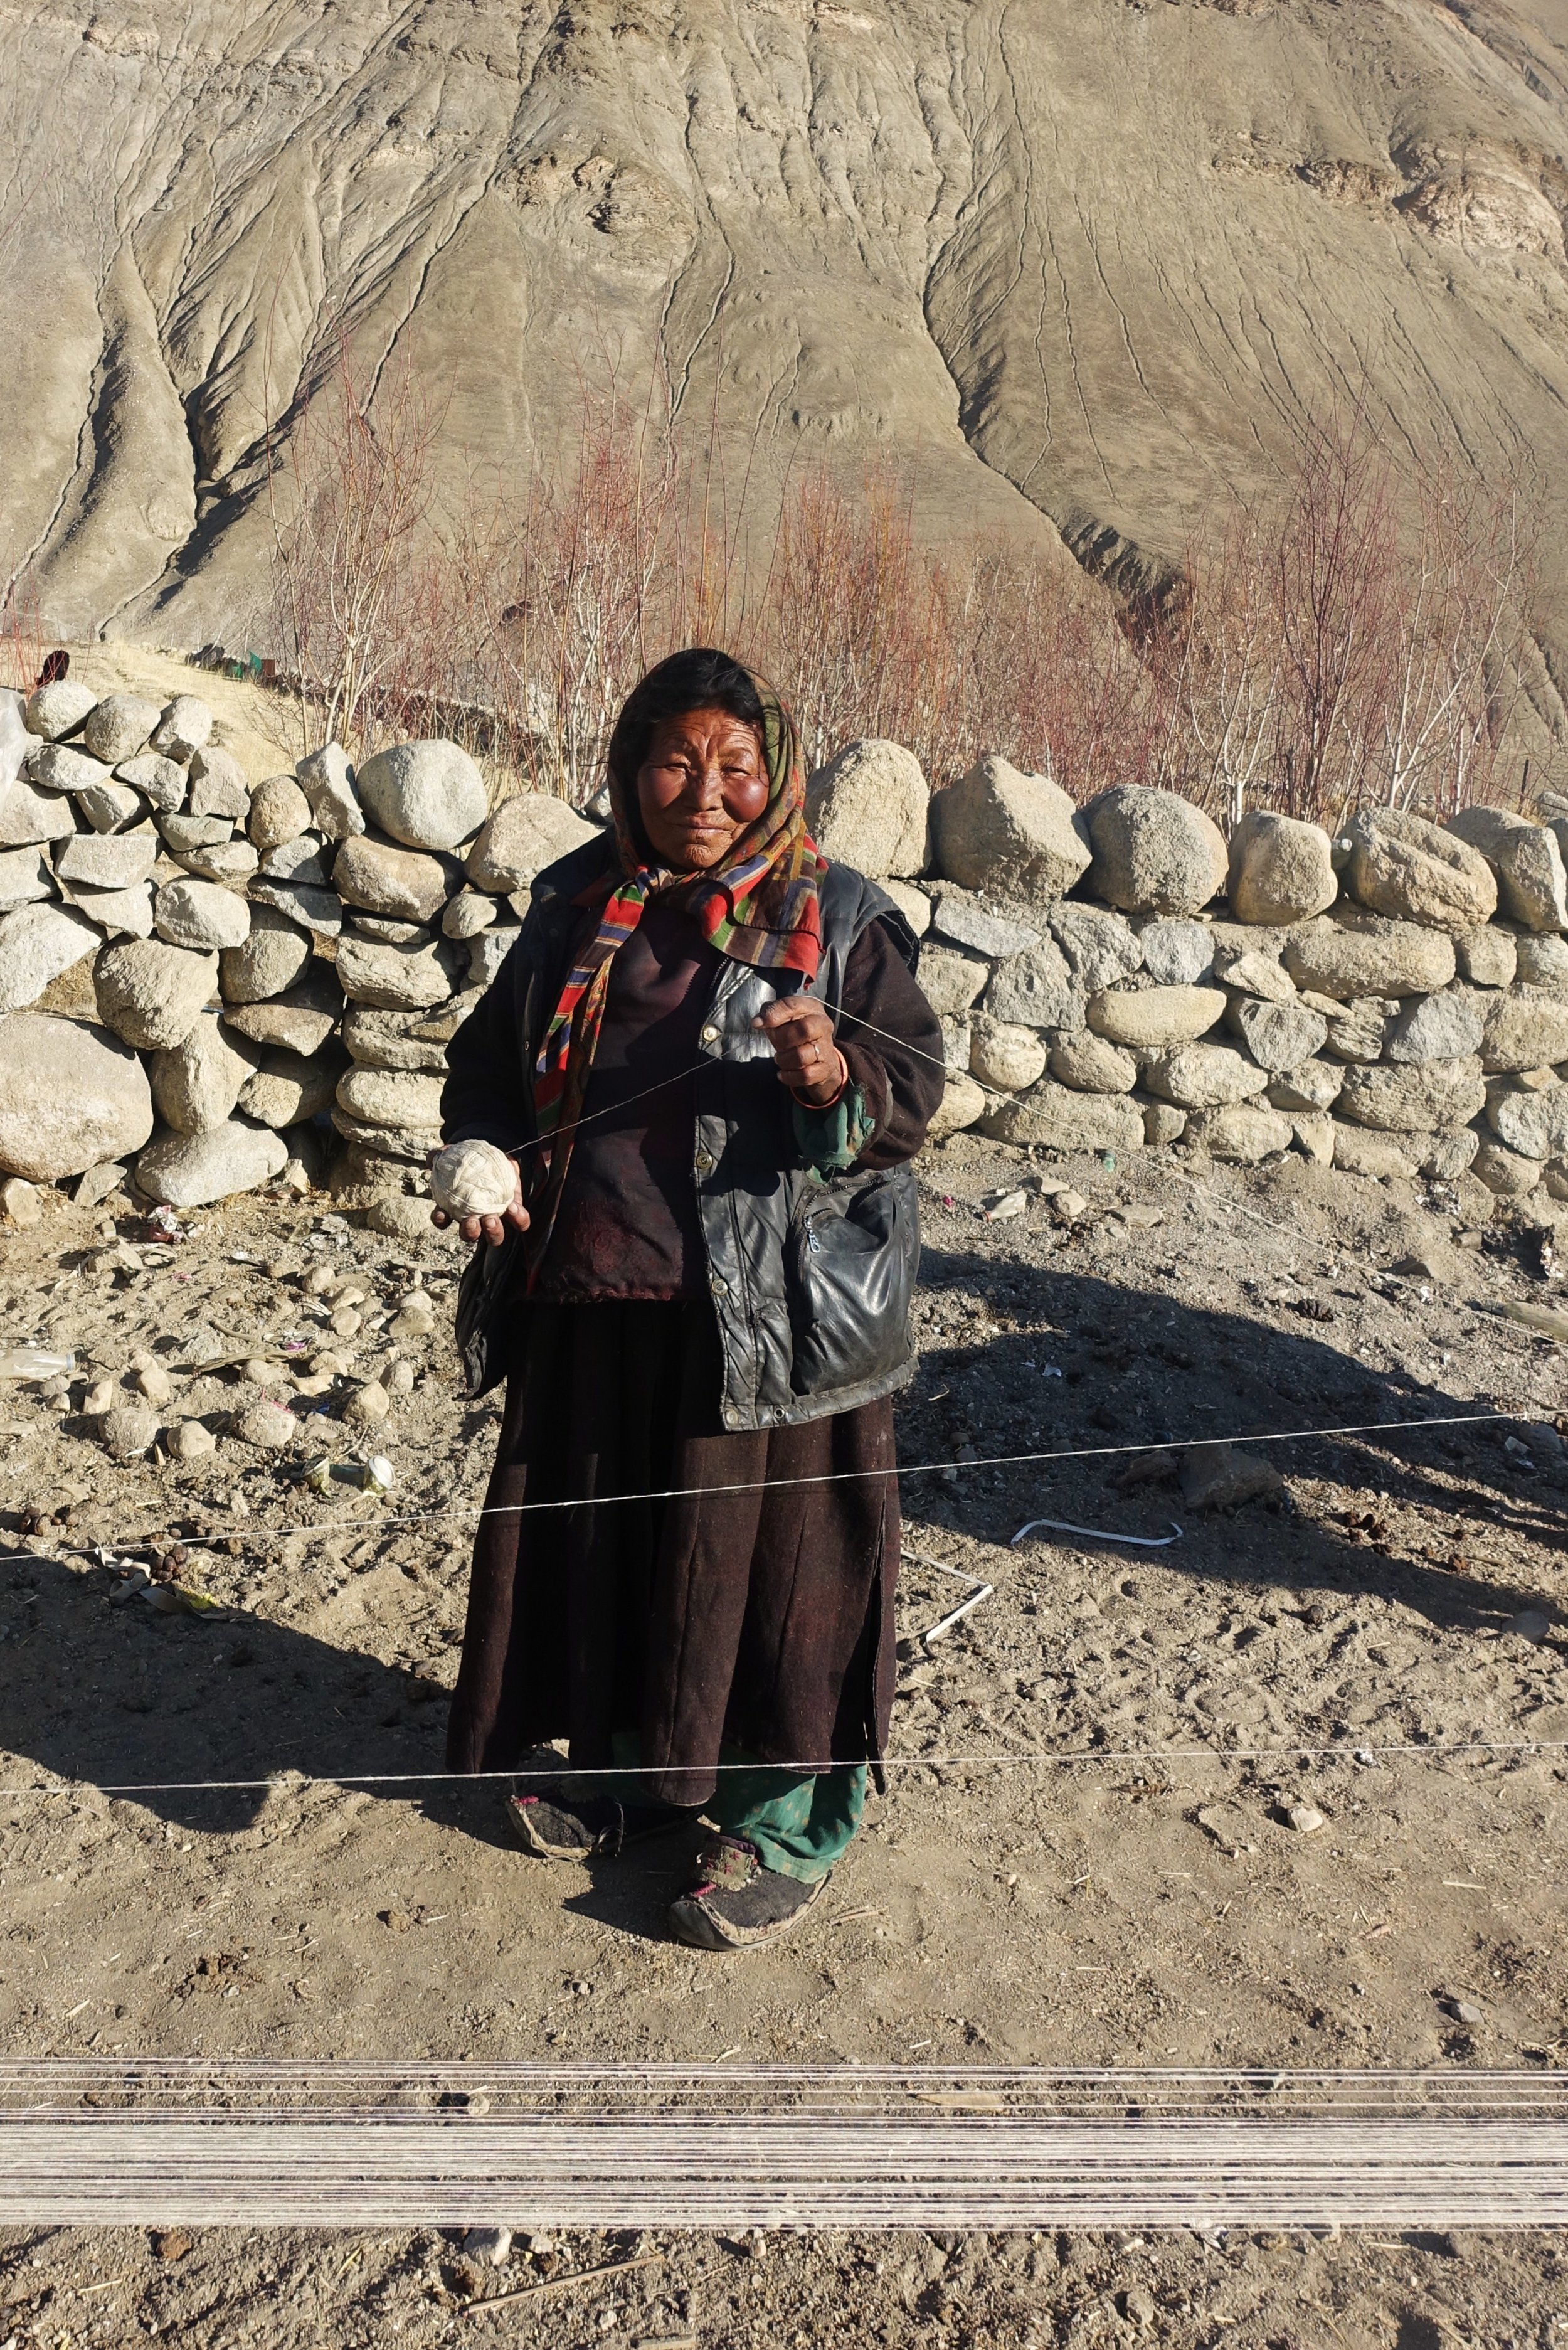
(269,1426)
(400,1379)
(1465,2011)
(188,1440)
(129,1431)
(346,1322)
(100,1396)
(1529,1623)
(154,1382)
(21,1202)
(1305,1819)
(368,1404)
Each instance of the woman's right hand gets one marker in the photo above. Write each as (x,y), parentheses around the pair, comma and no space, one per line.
(491,1228)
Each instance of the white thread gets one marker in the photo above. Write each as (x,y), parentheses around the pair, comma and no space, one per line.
(287,1782)
(853,1476)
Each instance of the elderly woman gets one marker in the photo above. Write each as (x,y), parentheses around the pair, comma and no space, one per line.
(709,1057)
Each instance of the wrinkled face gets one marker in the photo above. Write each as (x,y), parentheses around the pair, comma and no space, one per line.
(701,784)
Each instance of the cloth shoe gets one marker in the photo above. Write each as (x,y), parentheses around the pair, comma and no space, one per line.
(736,1904)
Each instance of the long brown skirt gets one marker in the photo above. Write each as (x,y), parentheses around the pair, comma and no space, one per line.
(761,1619)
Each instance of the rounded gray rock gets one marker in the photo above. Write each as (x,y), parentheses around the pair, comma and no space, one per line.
(201,915)
(1280,869)
(196,1083)
(1541,962)
(273,955)
(107,860)
(399,882)
(326,779)
(184,728)
(193,1171)
(391,978)
(279,812)
(72,1096)
(1431,1097)
(1359,953)
(1443,1027)
(219,785)
(527,832)
(1279,1036)
(129,1431)
(1154,1018)
(1532,885)
(1413,871)
(1176,951)
(29,816)
(1241,1132)
(1204,1076)
(1092,1066)
(152,994)
(1154,853)
(1035,990)
(1060,1120)
(1534,1124)
(38,942)
(1524,1029)
(395,1097)
(289,1087)
(56,711)
(116,727)
(428,794)
(1018,835)
(869,807)
(161,782)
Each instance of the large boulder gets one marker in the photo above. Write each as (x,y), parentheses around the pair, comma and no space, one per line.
(272,956)
(38,942)
(1525,1029)
(1427,1099)
(526,833)
(1155,1017)
(1154,853)
(1413,871)
(868,807)
(193,1171)
(201,915)
(1531,884)
(57,767)
(72,1096)
(55,711)
(1019,836)
(392,978)
(427,794)
(116,727)
(197,1083)
(1279,1036)
(152,994)
(1361,953)
(1204,1076)
(1280,870)
(1059,1118)
(1035,989)
(400,882)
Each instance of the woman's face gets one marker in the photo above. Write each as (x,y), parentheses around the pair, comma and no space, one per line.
(702,783)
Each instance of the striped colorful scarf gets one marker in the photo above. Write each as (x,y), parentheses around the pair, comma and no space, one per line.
(759,907)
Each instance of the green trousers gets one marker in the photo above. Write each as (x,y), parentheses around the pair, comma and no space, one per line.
(801,1824)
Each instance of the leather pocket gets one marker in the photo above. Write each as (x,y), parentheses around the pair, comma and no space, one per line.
(849,1267)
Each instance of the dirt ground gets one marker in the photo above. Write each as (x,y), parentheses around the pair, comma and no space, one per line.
(1147,1903)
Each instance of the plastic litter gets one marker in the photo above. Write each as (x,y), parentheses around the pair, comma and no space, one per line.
(30,1364)
(1100,1533)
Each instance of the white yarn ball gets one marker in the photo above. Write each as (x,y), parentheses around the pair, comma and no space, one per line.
(472,1179)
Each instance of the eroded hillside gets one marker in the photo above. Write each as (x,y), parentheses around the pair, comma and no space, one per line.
(1086,259)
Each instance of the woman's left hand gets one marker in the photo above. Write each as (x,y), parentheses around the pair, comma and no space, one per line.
(800,1033)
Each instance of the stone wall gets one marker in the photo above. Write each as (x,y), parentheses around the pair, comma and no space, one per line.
(197,971)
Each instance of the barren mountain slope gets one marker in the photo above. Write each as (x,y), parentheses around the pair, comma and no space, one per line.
(1087,258)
